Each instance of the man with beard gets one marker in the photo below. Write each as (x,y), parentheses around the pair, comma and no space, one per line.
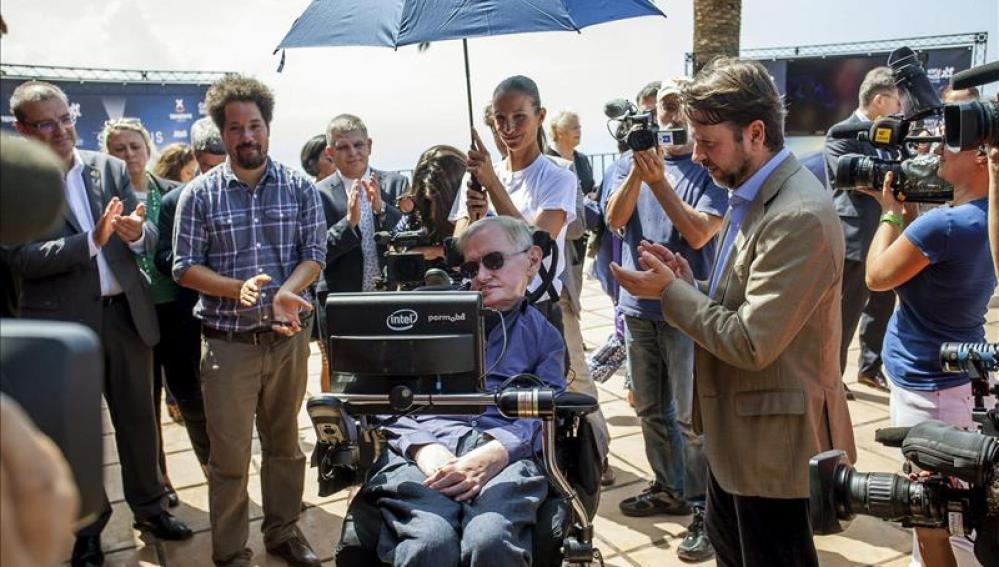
(85,270)
(249,238)
(766,322)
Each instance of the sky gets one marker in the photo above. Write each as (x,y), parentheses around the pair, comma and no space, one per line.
(411,100)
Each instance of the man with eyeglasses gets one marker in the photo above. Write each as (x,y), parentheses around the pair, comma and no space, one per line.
(358,201)
(858,213)
(86,270)
(466,489)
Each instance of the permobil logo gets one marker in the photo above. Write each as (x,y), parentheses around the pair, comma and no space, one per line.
(402,320)
(449,317)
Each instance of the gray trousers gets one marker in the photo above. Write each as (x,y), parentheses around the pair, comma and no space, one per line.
(422,527)
(128,390)
(243,383)
(872,310)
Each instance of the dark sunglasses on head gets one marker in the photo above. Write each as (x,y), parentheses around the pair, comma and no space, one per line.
(492,261)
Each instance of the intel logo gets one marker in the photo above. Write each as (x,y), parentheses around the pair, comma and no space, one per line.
(402,320)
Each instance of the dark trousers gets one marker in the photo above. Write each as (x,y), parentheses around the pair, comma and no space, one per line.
(872,310)
(128,390)
(750,531)
(177,357)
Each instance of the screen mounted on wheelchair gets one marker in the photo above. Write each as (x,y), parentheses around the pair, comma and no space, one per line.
(430,342)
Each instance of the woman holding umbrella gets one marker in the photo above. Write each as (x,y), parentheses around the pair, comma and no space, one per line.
(525,185)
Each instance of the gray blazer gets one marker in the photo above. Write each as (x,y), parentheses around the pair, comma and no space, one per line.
(60,278)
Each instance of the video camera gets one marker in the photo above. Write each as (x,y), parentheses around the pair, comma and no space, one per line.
(972,124)
(839,492)
(639,129)
(966,126)
(915,178)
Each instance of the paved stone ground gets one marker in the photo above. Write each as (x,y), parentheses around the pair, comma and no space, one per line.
(624,541)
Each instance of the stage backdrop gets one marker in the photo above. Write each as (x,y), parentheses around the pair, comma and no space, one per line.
(821,91)
(167,110)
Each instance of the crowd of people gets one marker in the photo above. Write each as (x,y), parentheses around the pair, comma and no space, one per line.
(205,269)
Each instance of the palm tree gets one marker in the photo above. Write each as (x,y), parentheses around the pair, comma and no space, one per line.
(716,30)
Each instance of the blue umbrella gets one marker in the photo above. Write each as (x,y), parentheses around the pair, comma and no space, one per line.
(393,23)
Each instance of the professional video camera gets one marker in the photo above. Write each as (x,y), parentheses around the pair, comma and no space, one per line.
(639,129)
(839,492)
(406,268)
(972,124)
(915,178)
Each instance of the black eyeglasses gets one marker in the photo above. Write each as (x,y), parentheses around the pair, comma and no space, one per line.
(492,261)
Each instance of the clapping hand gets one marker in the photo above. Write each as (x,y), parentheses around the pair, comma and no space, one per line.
(374,194)
(648,283)
(249,293)
(129,227)
(354,203)
(674,261)
(105,226)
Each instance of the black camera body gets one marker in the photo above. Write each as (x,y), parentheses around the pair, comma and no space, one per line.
(838,492)
(406,269)
(915,179)
(639,130)
(973,124)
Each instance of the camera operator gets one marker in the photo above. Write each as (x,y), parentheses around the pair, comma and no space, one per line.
(939,267)
(858,215)
(466,489)
(765,324)
(671,200)
(436,183)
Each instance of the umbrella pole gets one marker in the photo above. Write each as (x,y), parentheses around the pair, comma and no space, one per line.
(468,91)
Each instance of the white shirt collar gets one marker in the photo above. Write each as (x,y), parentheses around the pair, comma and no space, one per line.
(77,164)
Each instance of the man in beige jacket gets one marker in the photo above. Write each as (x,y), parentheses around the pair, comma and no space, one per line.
(766,323)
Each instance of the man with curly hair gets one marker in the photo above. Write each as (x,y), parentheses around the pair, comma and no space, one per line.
(249,236)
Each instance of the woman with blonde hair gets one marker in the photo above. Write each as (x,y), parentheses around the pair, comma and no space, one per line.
(128,140)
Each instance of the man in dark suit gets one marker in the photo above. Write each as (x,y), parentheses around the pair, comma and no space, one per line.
(85,271)
(859,214)
(358,201)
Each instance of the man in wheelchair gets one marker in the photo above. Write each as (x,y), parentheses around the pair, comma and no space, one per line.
(466,489)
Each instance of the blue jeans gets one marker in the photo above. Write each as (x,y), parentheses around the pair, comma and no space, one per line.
(661,362)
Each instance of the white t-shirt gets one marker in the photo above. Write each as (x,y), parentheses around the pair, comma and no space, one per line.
(541,186)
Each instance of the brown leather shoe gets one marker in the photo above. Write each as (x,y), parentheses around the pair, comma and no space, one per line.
(877,381)
(295,551)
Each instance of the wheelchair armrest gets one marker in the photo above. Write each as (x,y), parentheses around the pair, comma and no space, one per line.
(574,403)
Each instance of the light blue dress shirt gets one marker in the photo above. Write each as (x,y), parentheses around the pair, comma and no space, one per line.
(738,203)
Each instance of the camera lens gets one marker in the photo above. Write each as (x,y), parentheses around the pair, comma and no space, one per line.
(641,139)
(971,124)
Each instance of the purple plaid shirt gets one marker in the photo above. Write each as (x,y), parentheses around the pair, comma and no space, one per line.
(239,233)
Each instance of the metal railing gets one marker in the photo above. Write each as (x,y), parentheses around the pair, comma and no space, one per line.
(15,71)
(976,41)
